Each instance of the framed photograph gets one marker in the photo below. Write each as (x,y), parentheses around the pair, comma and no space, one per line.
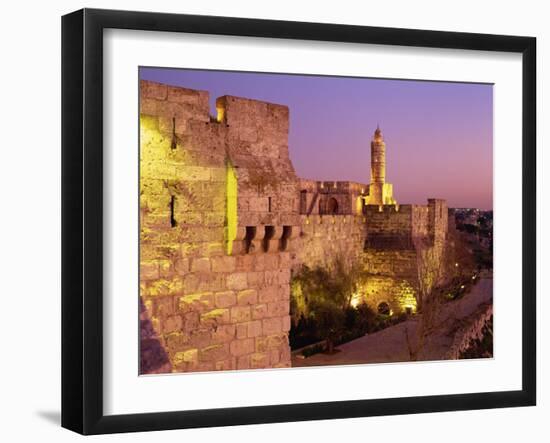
(269,221)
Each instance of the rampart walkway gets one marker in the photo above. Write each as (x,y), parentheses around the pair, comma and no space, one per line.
(457,322)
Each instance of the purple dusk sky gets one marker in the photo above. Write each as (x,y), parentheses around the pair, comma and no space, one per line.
(439,135)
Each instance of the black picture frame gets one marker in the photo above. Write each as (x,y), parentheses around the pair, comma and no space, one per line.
(82,215)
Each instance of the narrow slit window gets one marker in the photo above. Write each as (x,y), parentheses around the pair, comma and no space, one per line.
(174,141)
(173,222)
(250,234)
(268,204)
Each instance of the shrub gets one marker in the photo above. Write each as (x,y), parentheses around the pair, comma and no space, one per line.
(322,297)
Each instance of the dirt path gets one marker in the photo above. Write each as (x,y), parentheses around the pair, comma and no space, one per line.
(390,344)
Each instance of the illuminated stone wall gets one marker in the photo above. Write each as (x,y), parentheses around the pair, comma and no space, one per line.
(331,198)
(224,219)
(325,237)
(218,213)
(405,243)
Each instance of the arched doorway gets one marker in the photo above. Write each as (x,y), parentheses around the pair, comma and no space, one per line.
(332,206)
(384,308)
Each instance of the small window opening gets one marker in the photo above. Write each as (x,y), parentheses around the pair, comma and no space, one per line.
(173,222)
(174,142)
(249,236)
(332,206)
(268,204)
(384,308)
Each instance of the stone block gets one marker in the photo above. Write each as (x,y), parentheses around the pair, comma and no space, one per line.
(184,95)
(164,306)
(150,106)
(224,333)
(225,299)
(284,276)
(149,270)
(277,309)
(259,311)
(244,263)
(259,360)
(272,325)
(223,264)
(201,338)
(254,328)
(242,347)
(200,265)
(274,356)
(148,89)
(261,344)
(188,356)
(259,263)
(176,341)
(240,314)
(215,317)
(243,362)
(226,365)
(162,287)
(212,249)
(212,282)
(286,323)
(196,302)
(182,266)
(166,268)
(247,297)
(191,321)
(276,341)
(241,330)
(271,262)
(255,279)
(268,294)
(284,292)
(214,353)
(237,281)
(191,282)
(204,366)
(271,277)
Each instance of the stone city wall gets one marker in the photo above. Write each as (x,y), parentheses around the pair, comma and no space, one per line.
(223,221)
(207,301)
(331,197)
(324,238)
(405,243)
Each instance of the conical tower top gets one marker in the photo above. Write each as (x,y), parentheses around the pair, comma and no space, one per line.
(378,134)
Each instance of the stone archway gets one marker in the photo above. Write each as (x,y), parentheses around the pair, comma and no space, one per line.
(332,206)
(384,308)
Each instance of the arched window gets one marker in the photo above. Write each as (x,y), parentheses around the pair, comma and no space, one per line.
(384,308)
(332,206)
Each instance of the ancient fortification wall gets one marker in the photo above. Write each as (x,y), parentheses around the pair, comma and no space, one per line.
(404,244)
(215,229)
(224,220)
(325,238)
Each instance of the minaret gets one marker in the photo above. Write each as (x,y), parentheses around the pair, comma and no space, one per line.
(380,192)
(378,158)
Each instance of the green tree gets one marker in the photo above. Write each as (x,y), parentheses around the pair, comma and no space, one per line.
(322,294)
